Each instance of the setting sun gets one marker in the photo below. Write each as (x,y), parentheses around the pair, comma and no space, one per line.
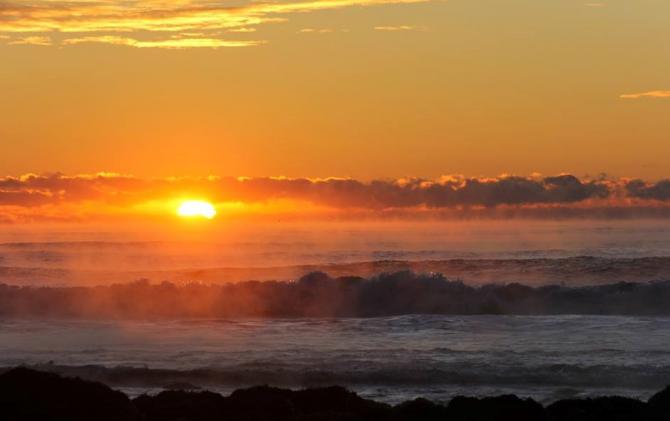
(197,208)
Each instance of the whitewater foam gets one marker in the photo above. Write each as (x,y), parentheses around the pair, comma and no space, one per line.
(392,358)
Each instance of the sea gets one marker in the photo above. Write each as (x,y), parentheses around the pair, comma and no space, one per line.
(390,358)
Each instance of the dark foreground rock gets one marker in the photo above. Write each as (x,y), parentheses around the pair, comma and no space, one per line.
(35,396)
(611,408)
(498,408)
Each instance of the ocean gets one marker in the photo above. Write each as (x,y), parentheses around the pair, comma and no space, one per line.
(598,345)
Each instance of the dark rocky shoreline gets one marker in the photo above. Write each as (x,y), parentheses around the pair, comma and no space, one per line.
(31,395)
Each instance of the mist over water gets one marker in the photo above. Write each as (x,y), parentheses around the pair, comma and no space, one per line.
(476,251)
(542,309)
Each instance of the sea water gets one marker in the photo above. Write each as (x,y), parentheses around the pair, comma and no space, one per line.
(391,359)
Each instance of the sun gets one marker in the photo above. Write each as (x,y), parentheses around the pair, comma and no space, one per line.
(197,208)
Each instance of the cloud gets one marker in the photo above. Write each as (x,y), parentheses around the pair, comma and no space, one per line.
(401,28)
(178,43)
(110,21)
(563,195)
(242,30)
(32,41)
(651,94)
(315,31)
(645,190)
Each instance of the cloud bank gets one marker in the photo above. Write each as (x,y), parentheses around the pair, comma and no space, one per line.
(39,196)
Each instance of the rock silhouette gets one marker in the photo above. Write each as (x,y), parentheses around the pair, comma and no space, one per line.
(660,402)
(499,408)
(610,408)
(31,395)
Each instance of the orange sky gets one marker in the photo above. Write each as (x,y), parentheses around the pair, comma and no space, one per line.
(359,88)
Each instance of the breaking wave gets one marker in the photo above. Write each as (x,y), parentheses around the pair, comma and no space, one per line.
(319,295)
(458,373)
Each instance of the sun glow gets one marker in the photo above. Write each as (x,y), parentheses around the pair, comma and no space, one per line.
(197,208)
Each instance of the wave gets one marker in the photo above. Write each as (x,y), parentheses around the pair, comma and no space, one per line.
(553,375)
(529,270)
(320,295)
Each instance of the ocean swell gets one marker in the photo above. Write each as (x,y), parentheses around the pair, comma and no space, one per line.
(319,295)
(457,373)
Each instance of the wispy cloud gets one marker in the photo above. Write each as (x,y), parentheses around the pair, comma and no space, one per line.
(242,30)
(315,31)
(401,28)
(651,94)
(31,41)
(110,21)
(179,43)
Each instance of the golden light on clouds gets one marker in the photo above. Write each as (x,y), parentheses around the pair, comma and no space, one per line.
(176,44)
(401,28)
(57,197)
(652,94)
(44,41)
(153,23)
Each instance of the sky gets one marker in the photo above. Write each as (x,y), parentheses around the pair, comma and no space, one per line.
(347,89)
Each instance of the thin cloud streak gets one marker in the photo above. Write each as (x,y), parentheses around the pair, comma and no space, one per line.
(315,31)
(178,44)
(651,94)
(401,28)
(43,41)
